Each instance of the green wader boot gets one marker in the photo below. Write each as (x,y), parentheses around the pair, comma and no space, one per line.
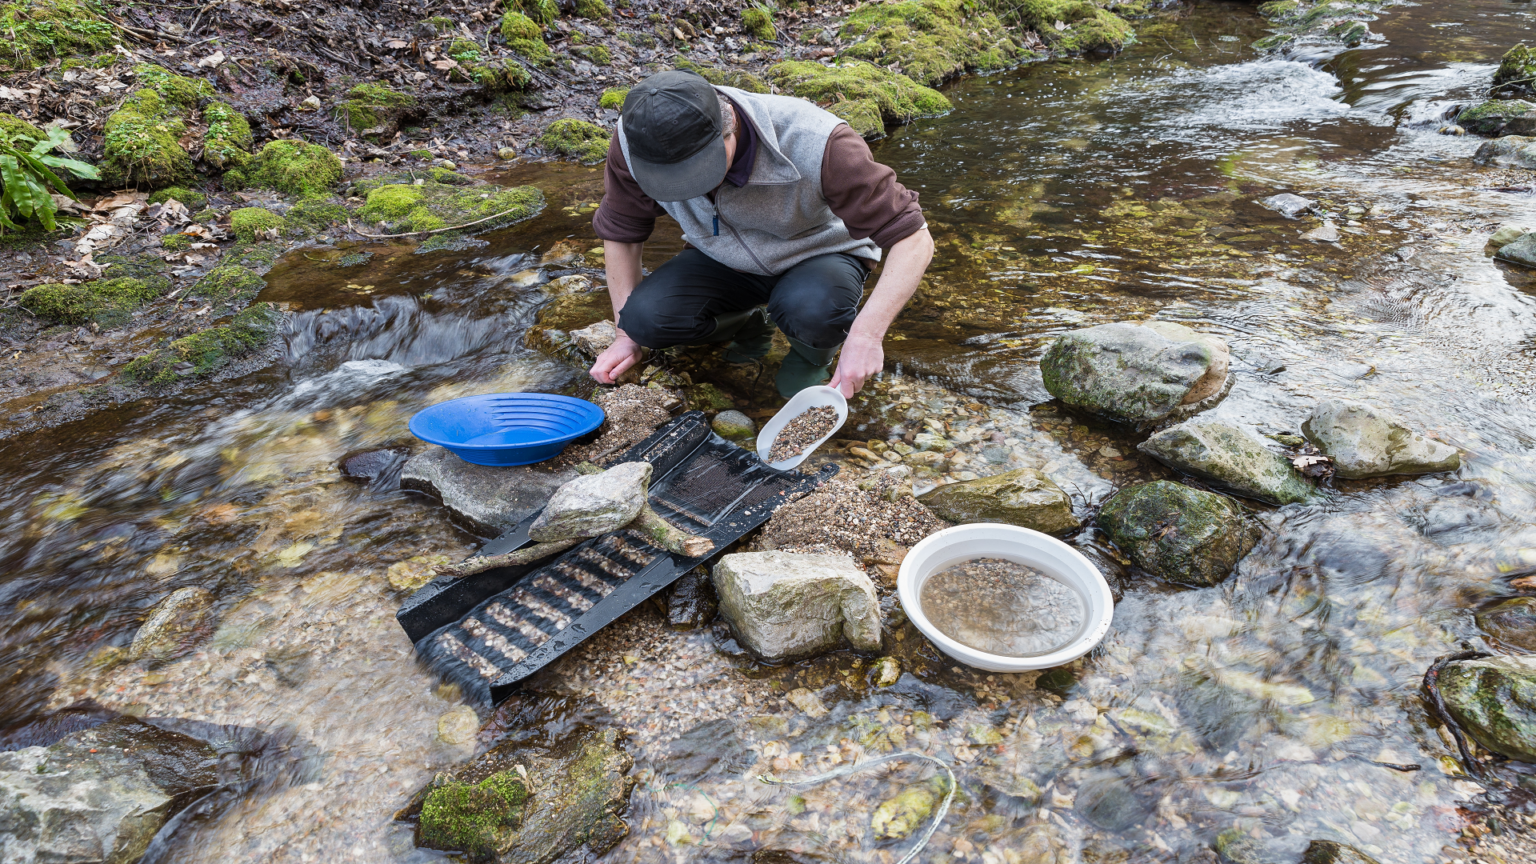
(750,332)
(804,367)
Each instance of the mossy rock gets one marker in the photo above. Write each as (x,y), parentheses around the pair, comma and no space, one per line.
(1024,497)
(251,223)
(502,75)
(1494,700)
(1271,43)
(106,301)
(373,109)
(593,9)
(291,167)
(24,134)
(895,97)
(315,215)
(758,21)
(542,12)
(440,24)
(143,144)
(585,142)
(178,90)
(432,206)
(228,138)
(1089,26)
(524,35)
(208,351)
(474,819)
(596,54)
(229,285)
(1186,536)
(1499,116)
(931,40)
(38,30)
(613,98)
(193,199)
(725,77)
(1516,75)
(1331,852)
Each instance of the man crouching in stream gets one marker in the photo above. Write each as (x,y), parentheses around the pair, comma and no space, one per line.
(782,206)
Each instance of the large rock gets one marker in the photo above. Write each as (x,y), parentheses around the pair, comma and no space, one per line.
(1025,497)
(1183,535)
(1514,150)
(594,504)
(1499,117)
(1364,441)
(1508,233)
(1231,458)
(1137,373)
(1522,251)
(1511,621)
(486,500)
(786,605)
(1494,700)
(1516,74)
(98,796)
(565,803)
(171,625)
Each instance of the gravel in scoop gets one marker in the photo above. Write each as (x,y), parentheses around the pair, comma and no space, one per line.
(801,432)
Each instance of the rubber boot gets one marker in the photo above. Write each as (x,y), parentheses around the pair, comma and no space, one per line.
(752,338)
(804,367)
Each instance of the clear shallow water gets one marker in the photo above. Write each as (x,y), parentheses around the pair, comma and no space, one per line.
(1062,195)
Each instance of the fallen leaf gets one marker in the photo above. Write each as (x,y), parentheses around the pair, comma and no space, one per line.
(1061,25)
(212,61)
(397,44)
(444,65)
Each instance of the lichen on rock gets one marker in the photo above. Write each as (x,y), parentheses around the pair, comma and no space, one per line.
(585,142)
(1229,457)
(1364,441)
(1494,700)
(860,92)
(1142,374)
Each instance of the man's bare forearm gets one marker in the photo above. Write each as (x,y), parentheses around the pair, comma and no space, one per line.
(904,268)
(622,264)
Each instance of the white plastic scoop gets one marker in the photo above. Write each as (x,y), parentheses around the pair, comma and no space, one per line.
(810,397)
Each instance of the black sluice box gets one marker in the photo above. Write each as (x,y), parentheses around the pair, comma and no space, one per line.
(489,631)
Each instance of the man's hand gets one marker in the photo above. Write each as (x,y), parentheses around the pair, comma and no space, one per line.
(616,359)
(861,359)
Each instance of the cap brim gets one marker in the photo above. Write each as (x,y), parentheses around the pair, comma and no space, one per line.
(680,181)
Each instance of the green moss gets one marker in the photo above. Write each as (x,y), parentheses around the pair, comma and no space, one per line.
(105,301)
(1279,10)
(525,36)
(206,351)
(249,222)
(313,215)
(176,242)
(613,98)
(1517,72)
(475,819)
(1494,699)
(292,167)
(464,50)
(450,178)
(229,284)
(597,54)
(726,77)
(1270,43)
(193,199)
(1492,116)
(593,9)
(441,25)
(185,93)
(1089,27)
(432,206)
(420,154)
(931,40)
(39,30)
(142,144)
(894,97)
(576,139)
(501,75)
(17,131)
(543,12)
(228,139)
(758,21)
(371,106)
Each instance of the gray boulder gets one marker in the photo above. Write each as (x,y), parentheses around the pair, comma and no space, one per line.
(1507,234)
(1513,150)
(1186,536)
(1494,700)
(594,504)
(1522,251)
(1287,205)
(1025,497)
(171,625)
(483,499)
(785,605)
(1364,441)
(1231,458)
(1137,373)
(98,796)
(733,424)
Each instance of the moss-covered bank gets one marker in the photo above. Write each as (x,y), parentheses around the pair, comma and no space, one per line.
(865,95)
(402,207)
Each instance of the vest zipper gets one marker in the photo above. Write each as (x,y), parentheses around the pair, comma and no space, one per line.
(734,233)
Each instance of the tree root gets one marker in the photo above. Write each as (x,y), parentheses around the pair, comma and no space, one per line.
(525,555)
(1438,709)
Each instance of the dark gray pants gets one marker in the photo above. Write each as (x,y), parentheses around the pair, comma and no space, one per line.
(814,301)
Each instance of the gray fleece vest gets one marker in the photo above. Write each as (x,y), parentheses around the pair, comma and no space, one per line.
(780,217)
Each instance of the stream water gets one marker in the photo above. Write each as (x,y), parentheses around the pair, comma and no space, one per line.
(1062,194)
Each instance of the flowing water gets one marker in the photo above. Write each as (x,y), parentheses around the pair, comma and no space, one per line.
(1062,194)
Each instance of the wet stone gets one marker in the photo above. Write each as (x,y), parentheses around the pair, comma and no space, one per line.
(172,625)
(1507,234)
(1141,374)
(1522,252)
(486,500)
(1516,151)
(1025,497)
(381,468)
(594,504)
(1512,622)
(1111,804)
(897,817)
(733,425)
(1364,441)
(458,726)
(1186,536)
(1287,205)
(1229,457)
(691,602)
(807,701)
(1494,700)
(786,605)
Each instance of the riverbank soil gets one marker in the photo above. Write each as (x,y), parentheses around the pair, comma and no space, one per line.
(203,540)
